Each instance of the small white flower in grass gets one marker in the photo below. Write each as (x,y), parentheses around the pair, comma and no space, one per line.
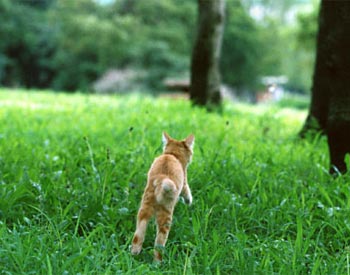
(27,220)
(46,142)
(55,158)
(331,210)
(36,185)
(57,174)
(283,202)
(123,210)
(235,200)
(234,197)
(320,205)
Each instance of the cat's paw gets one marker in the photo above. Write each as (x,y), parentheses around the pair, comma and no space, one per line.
(188,199)
(158,253)
(135,249)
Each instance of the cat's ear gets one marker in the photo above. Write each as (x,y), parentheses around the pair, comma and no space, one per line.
(165,138)
(190,141)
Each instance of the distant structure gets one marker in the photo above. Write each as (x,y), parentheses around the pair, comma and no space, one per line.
(274,89)
(181,88)
(116,81)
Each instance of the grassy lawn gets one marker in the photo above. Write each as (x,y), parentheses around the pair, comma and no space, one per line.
(73,169)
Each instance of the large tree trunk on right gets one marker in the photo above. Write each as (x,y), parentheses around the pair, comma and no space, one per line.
(316,120)
(205,75)
(330,103)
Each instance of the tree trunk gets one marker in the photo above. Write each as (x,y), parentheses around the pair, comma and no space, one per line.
(320,92)
(338,124)
(205,75)
(330,102)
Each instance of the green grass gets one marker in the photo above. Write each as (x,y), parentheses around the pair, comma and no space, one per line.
(73,169)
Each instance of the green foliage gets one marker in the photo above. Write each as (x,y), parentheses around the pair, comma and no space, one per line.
(66,45)
(240,54)
(307,29)
(73,169)
(270,46)
(287,45)
(302,54)
(26,44)
(165,33)
(101,44)
(301,102)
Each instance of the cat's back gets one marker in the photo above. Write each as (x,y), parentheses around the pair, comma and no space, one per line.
(167,165)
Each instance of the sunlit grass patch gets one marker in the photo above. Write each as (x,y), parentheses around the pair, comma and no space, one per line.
(73,169)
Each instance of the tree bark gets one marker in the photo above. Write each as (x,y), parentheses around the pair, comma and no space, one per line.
(205,74)
(330,102)
(338,124)
(320,92)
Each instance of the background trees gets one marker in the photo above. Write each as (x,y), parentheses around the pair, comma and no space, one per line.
(26,43)
(205,74)
(67,45)
(79,40)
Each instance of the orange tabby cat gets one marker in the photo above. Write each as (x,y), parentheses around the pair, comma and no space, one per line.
(167,179)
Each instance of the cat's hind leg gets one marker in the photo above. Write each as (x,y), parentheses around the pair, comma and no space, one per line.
(164,219)
(143,217)
(186,193)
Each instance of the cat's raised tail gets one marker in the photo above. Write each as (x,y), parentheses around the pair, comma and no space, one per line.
(165,190)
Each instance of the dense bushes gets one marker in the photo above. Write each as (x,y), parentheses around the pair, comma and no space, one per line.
(66,45)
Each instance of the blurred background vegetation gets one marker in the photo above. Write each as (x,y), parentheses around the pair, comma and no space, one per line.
(71,45)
